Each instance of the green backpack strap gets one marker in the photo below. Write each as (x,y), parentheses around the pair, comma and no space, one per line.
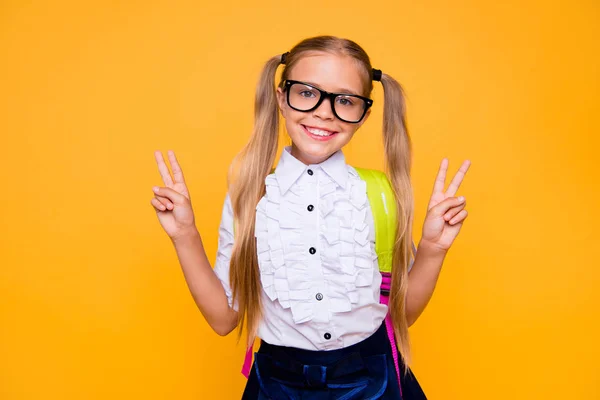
(383,205)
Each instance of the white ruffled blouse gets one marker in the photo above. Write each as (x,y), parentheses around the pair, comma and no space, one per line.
(315,242)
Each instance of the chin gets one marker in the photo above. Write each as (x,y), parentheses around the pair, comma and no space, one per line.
(316,152)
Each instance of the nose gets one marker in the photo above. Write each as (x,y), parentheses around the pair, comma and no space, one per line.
(324,111)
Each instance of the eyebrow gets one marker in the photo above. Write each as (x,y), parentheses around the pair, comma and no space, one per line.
(340,90)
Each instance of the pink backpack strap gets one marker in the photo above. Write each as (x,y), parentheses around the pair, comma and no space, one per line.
(247,362)
(386,282)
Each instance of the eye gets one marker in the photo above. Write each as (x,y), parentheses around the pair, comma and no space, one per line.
(345,101)
(306,93)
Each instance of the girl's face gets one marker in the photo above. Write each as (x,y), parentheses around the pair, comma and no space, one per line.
(332,73)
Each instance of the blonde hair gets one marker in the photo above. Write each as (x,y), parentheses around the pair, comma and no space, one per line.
(254,162)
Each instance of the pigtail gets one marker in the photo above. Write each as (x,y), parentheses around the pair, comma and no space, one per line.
(398,154)
(246,182)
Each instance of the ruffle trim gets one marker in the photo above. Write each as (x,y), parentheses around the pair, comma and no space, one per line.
(347,259)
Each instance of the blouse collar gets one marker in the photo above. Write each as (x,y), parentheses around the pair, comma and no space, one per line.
(289,169)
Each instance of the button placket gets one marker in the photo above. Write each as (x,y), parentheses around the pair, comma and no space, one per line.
(312,218)
(320,303)
(312,250)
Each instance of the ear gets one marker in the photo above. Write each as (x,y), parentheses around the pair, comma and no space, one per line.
(281,101)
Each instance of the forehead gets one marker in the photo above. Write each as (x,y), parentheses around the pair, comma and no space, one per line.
(330,72)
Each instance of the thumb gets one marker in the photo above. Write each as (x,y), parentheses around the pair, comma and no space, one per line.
(445,205)
(174,196)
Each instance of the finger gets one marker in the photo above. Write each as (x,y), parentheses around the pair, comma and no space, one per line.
(444,206)
(157,204)
(458,178)
(459,217)
(166,202)
(440,180)
(174,196)
(163,169)
(453,211)
(177,172)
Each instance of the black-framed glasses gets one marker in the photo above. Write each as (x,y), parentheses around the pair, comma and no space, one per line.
(346,107)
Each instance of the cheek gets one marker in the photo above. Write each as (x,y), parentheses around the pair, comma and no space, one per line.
(349,129)
(289,121)
(292,117)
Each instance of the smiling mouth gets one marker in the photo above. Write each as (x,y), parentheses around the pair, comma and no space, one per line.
(320,133)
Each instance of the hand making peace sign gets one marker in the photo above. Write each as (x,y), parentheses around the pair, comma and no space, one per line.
(445,212)
(172,202)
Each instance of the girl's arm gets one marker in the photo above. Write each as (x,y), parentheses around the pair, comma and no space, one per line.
(174,210)
(204,285)
(422,279)
(445,216)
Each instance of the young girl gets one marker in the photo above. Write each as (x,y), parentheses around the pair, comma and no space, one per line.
(296,261)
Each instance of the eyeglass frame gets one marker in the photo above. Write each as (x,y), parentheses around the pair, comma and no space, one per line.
(331,96)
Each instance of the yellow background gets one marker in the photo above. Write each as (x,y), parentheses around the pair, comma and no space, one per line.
(93,304)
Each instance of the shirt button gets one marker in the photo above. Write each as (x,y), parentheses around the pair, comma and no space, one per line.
(310,172)
(312,250)
(327,335)
(310,207)
(319,296)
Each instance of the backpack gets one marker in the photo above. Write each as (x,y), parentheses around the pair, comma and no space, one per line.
(383,206)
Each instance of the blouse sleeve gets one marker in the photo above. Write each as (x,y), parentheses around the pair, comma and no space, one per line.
(224,248)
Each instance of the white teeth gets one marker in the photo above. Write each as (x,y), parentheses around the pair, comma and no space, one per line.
(318,132)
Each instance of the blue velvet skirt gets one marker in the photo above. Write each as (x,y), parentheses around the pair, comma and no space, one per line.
(364,370)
